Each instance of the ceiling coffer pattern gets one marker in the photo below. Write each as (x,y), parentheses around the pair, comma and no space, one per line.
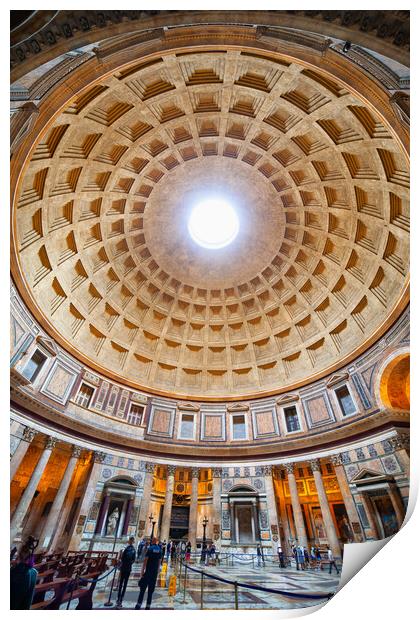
(336,175)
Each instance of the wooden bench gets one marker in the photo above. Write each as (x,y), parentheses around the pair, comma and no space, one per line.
(59,587)
(83,594)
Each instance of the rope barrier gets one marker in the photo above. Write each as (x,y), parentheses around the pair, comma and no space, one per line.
(99,578)
(250,586)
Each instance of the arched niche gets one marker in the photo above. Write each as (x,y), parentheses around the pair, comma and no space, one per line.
(116,508)
(394,383)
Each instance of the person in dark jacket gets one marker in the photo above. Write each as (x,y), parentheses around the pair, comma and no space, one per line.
(23,576)
(127,559)
(149,574)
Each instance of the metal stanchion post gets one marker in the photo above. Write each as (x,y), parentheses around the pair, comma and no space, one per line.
(201,590)
(236,595)
(253,561)
(185,583)
(109,603)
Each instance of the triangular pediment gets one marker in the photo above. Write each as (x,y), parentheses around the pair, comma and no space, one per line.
(237,407)
(47,344)
(188,407)
(287,398)
(342,376)
(365,475)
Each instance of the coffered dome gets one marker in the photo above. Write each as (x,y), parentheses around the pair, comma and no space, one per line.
(318,179)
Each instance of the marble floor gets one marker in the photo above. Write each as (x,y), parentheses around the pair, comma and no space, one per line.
(218,595)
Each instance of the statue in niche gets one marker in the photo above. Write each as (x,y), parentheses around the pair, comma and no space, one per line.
(112,521)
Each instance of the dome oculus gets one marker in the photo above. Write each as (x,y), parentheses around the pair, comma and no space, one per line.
(213,223)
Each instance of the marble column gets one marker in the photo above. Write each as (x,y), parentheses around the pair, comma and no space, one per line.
(285,522)
(167,507)
(333,541)
(21,450)
(192,522)
(370,514)
(397,503)
(272,509)
(217,504)
(102,513)
(297,508)
(145,501)
(31,487)
(88,498)
(347,496)
(52,519)
(130,504)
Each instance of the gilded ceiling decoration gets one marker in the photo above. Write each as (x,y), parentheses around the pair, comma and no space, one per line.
(321,187)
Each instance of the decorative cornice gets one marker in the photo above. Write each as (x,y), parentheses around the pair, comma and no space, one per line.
(237,407)
(343,376)
(287,398)
(47,344)
(188,407)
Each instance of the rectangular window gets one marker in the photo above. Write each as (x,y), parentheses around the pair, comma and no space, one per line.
(292,419)
(346,402)
(84,395)
(239,428)
(135,415)
(187,426)
(33,367)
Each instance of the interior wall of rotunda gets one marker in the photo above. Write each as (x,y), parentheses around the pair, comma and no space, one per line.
(257,397)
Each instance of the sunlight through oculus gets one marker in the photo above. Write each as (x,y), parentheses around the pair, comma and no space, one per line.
(213,223)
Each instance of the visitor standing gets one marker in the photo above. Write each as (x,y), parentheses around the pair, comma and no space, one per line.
(127,559)
(140,548)
(163,547)
(188,552)
(203,553)
(300,558)
(23,576)
(173,551)
(168,550)
(331,560)
(281,556)
(259,555)
(149,573)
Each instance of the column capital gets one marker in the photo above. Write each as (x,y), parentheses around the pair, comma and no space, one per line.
(50,443)
(336,460)
(290,468)
(400,442)
(171,470)
(267,470)
(99,457)
(195,472)
(315,465)
(216,472)
(28,434)
(76,451)
(150,468)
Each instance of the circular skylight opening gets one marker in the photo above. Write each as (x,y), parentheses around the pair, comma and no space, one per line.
(213,223)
